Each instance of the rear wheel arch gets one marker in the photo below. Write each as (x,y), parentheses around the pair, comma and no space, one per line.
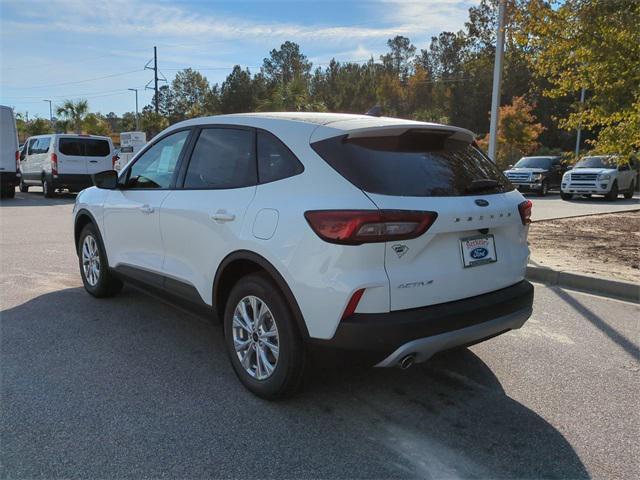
(243,262)
(83,218)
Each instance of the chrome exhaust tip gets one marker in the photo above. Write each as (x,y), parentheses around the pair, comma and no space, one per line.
(407,361)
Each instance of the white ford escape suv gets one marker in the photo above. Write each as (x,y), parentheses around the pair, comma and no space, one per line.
(315,232)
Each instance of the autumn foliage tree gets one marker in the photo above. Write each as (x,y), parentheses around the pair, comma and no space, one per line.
(518,132)
(592,45)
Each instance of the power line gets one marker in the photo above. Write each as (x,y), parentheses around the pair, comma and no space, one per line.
(80,81)
(256,66)
(74,94)
(71,62)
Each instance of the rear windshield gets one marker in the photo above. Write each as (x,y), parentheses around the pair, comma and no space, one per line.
(534,162)
(84,147)
(416,164)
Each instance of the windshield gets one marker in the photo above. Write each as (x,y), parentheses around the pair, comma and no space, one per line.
(596,162)
(415,164)
(534,162)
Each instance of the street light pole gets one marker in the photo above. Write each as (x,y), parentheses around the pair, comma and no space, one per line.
(50,111)
(497,79)
(580,123)
(137,116)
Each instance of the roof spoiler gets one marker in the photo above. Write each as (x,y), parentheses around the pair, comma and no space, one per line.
(455,133)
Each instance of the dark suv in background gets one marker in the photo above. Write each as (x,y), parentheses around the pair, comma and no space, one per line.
(536,174)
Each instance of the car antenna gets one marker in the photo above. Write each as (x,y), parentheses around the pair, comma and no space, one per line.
(375,111)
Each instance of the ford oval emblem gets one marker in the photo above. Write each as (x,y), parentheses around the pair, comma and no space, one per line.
(482,203)
(479,253)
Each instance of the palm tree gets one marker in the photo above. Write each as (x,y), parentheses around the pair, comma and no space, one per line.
(74,112)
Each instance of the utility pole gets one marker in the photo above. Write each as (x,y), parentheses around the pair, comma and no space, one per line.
(137,116)
(580,123)
(497,79)
(155,77)
(155,73)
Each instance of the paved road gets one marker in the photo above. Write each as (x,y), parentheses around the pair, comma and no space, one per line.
(552,206)
(130,387)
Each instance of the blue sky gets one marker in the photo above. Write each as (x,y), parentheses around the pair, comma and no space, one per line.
(60,49)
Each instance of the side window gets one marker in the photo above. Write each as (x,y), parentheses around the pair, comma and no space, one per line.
(41,145)
(275,160)
(222,158)
(32,146)
(155,168)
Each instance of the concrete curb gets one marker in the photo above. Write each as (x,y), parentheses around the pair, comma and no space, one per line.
(596,285)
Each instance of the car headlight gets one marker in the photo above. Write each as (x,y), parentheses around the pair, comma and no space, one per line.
(604,176)
(537,176)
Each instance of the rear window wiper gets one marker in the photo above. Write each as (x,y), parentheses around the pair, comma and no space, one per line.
(480,185)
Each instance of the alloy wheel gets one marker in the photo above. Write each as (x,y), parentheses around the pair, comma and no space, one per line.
(91,260)
(255,337)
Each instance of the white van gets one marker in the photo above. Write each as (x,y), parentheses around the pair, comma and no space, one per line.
(60,161)
(9,165)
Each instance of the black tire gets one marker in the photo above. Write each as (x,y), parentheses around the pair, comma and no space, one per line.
(288,373)
(3,191)
(106,285)
(544,189)
(566,196)
(11,191)
(47,188)
(629,193)
(24,188)
(613,193)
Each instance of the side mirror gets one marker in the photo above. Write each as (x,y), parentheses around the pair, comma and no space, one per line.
(510,165)
(107,179)
(22,156)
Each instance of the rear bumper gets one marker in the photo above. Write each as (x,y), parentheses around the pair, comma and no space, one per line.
(72,181)
(388,337)
(9,178)
(424,348)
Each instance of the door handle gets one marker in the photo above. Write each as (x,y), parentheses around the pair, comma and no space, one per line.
(146,209)
(222,216)
(93,161)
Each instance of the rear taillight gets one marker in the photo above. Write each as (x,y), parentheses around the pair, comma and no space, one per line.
(17,160)
(114,160)
(525,211)
(355,227)
(54,164)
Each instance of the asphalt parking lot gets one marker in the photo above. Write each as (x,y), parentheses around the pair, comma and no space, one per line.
(552,206)
(130,387)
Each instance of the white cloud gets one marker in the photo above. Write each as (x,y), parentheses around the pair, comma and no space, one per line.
(139,17)
(122,18)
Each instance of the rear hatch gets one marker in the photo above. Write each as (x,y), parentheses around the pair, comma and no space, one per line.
(8,140)
(84,155)
(476,245)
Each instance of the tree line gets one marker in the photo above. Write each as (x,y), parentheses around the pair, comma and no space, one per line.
(553,50)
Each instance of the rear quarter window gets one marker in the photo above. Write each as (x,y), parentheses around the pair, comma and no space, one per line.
(84,147)
(419,164)
(275,160)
